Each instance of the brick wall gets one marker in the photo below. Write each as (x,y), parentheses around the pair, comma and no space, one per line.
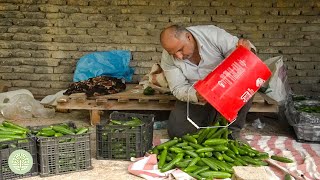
(41,40)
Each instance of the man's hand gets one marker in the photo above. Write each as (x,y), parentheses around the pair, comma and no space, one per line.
(245,43)
(200,98)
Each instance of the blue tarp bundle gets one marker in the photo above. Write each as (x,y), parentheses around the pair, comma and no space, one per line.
(112,63)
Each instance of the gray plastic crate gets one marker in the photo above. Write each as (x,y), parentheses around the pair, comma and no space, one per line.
(306,125)
(123,142)
(65,154)
(307,132)
(28,144)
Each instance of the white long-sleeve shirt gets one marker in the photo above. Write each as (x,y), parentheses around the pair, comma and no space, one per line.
(214,44)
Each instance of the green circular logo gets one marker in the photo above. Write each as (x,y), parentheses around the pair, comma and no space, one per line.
(20,161)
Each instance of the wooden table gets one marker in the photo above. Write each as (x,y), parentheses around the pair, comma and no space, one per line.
(134,99)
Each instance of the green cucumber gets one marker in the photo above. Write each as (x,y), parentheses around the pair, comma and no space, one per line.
(213,142)
(46,128)
(281,159)
(196,176)
(218,155)
(17,131)
(201,169)
(208,154)
(203,134)
(215,174)
(183,144)
(176,150)
(12,136)
(191,168)
(219,148)
(58,134)
(191,153)
(7,132)
(212,130)
(183,163)
(227,158)
(204,149)
(63,130)
(14,126)
(155,150)
(194,162)
(250,160)
(189,138)
(244,163)
(188,148)
(233,148)
(167,144)
(196,146)
(46,133)
(116,122)
(82,130)
(171,164)
(208,162)
(218,133)
(162,158)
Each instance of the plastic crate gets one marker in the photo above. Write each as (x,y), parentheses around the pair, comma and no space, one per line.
(65,154)
(123,142)
(307,132)
(306,125)
(28,144)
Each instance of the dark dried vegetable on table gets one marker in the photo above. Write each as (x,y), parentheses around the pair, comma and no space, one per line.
(97,86)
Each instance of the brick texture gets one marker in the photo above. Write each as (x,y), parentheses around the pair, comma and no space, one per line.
(41,41)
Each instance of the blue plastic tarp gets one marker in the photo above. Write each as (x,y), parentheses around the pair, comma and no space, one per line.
(112,63)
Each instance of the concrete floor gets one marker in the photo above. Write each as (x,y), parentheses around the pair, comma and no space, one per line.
(111,169)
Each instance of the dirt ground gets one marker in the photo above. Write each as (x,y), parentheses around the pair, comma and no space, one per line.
(111,169)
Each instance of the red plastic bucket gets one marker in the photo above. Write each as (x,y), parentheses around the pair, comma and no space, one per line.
(229,86)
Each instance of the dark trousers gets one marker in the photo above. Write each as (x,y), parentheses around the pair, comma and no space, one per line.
(202,115)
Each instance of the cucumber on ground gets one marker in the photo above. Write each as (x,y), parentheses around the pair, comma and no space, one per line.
(281,159)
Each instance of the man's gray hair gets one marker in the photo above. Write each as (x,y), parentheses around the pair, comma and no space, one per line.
(178,30)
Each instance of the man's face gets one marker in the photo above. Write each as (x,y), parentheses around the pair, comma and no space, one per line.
(181,48)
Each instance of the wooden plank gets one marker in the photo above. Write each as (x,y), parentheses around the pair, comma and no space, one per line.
(94,117)
(264,107)
(134,91)
(115,105)
(133,99)
(79,97)
(123,100)
(143,100)
(63,99)
(258,98)
(267,99)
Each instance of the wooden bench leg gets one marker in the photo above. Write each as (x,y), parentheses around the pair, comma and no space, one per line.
(94,117)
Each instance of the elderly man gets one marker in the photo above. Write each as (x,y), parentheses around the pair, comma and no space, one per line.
(189,55)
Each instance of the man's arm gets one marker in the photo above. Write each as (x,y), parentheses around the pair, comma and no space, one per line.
(226,43)
(178,83)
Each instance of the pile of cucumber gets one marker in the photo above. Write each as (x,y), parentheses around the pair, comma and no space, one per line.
(134,122)
(122,139)
(59,130)
(11,131)
(209,154)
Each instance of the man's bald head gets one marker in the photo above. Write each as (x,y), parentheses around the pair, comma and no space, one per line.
(172,32)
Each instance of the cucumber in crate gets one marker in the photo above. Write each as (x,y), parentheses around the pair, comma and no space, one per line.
(62,148)
(15,137)
(124,136)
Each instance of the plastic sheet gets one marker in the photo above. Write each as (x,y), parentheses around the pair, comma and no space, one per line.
(23,106)
(111,63)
